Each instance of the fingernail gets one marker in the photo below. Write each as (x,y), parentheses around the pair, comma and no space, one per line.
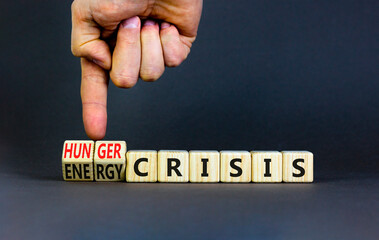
(149,23)
(165,25)
(130,23)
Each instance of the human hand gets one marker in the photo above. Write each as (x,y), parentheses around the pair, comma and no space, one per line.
(137,52)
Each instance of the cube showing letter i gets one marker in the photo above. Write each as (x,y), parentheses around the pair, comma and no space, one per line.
(204,166)
(266,166)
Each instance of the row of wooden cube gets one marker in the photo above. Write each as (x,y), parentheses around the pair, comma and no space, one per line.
(110,161)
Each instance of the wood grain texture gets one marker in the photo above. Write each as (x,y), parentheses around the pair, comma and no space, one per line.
(109,161)
(266,166)
(235,166)
(204,166)
(174,157)
(77,160)
(146,164)
(297,166)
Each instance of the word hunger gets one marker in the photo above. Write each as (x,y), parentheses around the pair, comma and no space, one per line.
(110,161)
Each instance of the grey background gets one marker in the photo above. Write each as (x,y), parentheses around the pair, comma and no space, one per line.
(275,75)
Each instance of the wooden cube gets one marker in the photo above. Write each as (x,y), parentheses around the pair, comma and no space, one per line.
(204,166)
(173,166)
(266,166)
(297,166)
(235,166)
(109,161)
(142,166)
(77,160)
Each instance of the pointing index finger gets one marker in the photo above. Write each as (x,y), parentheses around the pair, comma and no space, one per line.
(94,89)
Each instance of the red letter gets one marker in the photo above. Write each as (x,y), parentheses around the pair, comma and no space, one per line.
(101,153)
(67,150)
(110,150)
(117,148)
(76,153)
(87,150)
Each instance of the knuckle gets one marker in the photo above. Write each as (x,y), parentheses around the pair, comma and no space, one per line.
(174,61)
(151,74)
(74,51)
(123,80)
(76,9)
(93,77)
(111,7)
(94,104)
(74,6)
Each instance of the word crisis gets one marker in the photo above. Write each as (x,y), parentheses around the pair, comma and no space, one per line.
(84,160)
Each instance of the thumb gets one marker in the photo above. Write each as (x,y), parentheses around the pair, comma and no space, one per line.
(85,37)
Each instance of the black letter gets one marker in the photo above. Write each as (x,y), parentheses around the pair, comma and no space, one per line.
(100,171)
(300,168)
(67,171)
(175,168)
(77,170)
(110,174)
(85,166)
(205,171)
(136,170)
(234,166)
(267,163)
(118,170)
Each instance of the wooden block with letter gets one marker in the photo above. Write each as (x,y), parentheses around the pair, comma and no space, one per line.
(77,160)
(204,166)
(235,166)
(297,166)
(109,161)
(173,166)
(266,166)
(141,166)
